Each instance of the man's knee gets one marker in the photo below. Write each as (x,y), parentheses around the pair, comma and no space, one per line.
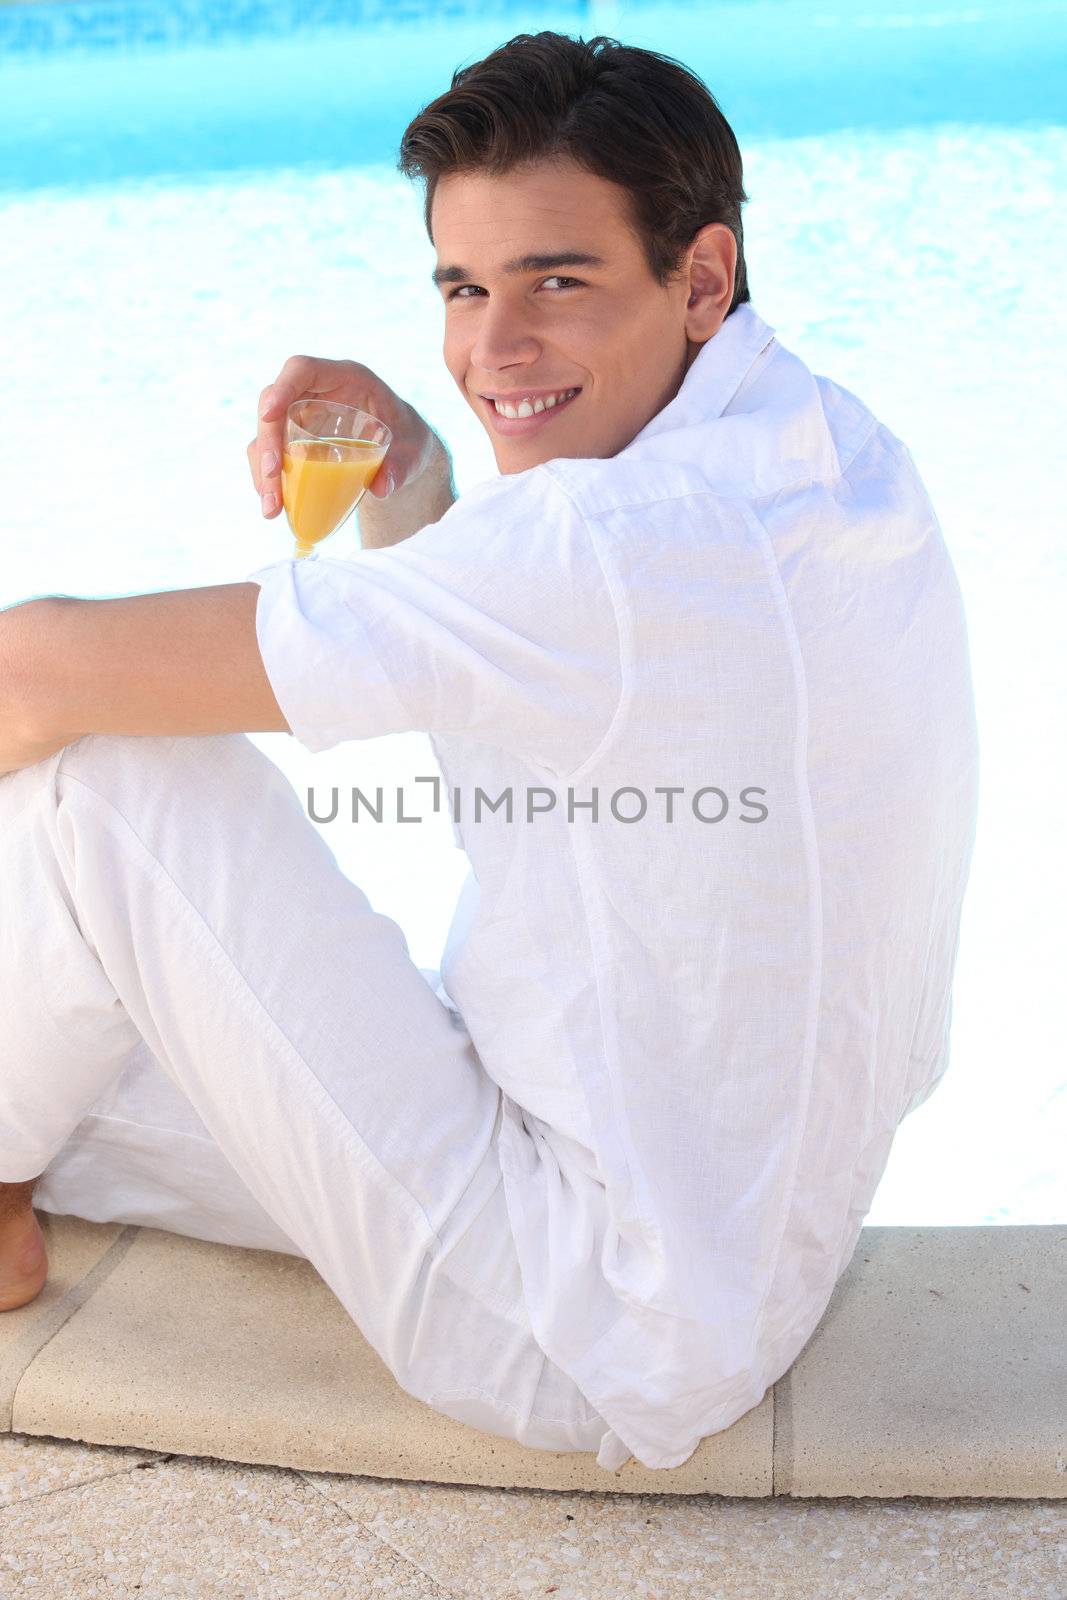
(19,789)
(115,764)
(178,787)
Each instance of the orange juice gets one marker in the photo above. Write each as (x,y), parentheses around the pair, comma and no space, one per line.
(322,479)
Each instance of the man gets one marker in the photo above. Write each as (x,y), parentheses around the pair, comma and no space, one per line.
(701,648)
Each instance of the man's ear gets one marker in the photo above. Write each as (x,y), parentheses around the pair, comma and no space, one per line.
(712,262)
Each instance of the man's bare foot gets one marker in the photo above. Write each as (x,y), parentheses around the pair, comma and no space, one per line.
(23,1258)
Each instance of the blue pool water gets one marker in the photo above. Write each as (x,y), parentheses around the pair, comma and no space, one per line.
(113,91)
(189,193)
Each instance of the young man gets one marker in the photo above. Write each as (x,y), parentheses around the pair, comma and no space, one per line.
(701,648)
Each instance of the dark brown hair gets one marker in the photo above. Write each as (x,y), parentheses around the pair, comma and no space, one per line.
(636,117)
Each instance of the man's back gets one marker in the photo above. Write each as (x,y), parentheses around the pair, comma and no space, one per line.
(710,964)
(730,1017)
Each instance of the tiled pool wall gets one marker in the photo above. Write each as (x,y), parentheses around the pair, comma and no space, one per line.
(44,26)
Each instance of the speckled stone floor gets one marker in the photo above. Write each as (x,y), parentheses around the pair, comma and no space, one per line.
(82,1520)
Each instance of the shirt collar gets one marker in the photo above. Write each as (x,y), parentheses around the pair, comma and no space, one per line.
(715,375)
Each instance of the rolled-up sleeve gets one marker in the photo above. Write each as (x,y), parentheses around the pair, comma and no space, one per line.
(496,623)
(319,658)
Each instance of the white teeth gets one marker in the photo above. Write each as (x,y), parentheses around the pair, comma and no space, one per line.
(528,408)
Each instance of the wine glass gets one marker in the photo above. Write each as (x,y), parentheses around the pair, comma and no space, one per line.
(331,453)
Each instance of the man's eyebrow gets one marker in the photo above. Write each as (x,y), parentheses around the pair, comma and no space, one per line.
(528,263)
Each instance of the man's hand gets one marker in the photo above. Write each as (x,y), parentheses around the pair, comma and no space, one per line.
(349,383)
(182,661)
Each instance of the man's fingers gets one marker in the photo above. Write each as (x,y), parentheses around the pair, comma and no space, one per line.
(265,466)
(270,491)
(300,376)
(273,404)
(268,401)
(309,377)
(287,386)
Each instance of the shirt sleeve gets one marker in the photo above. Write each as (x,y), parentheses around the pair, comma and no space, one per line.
(496,623)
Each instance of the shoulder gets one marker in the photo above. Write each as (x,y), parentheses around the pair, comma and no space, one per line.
(598,487)
(654,492)
(513,540)
(507,524)
(851,423)
(511,496)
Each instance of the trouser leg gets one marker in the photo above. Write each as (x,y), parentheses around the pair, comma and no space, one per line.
(142,1155)
(170,893)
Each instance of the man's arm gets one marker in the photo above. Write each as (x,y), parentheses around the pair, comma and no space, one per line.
(419,501)
(183,661)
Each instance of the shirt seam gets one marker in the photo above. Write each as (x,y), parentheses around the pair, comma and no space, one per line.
(143,1126)
(620,1116)
(718,494)
(623,637)
(815,916)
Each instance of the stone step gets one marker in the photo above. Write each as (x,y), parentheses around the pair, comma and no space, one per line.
(939,1368)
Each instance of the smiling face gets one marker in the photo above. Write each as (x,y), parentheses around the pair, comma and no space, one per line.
(547,290)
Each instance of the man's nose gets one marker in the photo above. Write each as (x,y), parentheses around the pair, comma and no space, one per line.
(504,337)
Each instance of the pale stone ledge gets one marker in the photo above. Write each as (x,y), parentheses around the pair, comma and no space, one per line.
(938,1369)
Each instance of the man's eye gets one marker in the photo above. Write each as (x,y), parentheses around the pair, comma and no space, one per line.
(457,293)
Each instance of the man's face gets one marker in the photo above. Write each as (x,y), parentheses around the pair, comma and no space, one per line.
(542,327)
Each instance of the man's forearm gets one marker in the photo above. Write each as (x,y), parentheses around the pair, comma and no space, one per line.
(180,661)
(406,510)
(18,653)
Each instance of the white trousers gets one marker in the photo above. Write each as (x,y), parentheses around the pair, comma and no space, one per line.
(205,1028)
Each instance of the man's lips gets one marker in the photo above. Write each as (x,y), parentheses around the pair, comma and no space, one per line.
(510,426)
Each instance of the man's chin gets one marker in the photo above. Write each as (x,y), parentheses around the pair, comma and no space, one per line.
(511,461)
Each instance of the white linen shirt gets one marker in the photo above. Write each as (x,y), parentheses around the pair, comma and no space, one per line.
(706,1029)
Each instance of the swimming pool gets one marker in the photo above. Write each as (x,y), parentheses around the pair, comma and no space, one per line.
(189,194)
